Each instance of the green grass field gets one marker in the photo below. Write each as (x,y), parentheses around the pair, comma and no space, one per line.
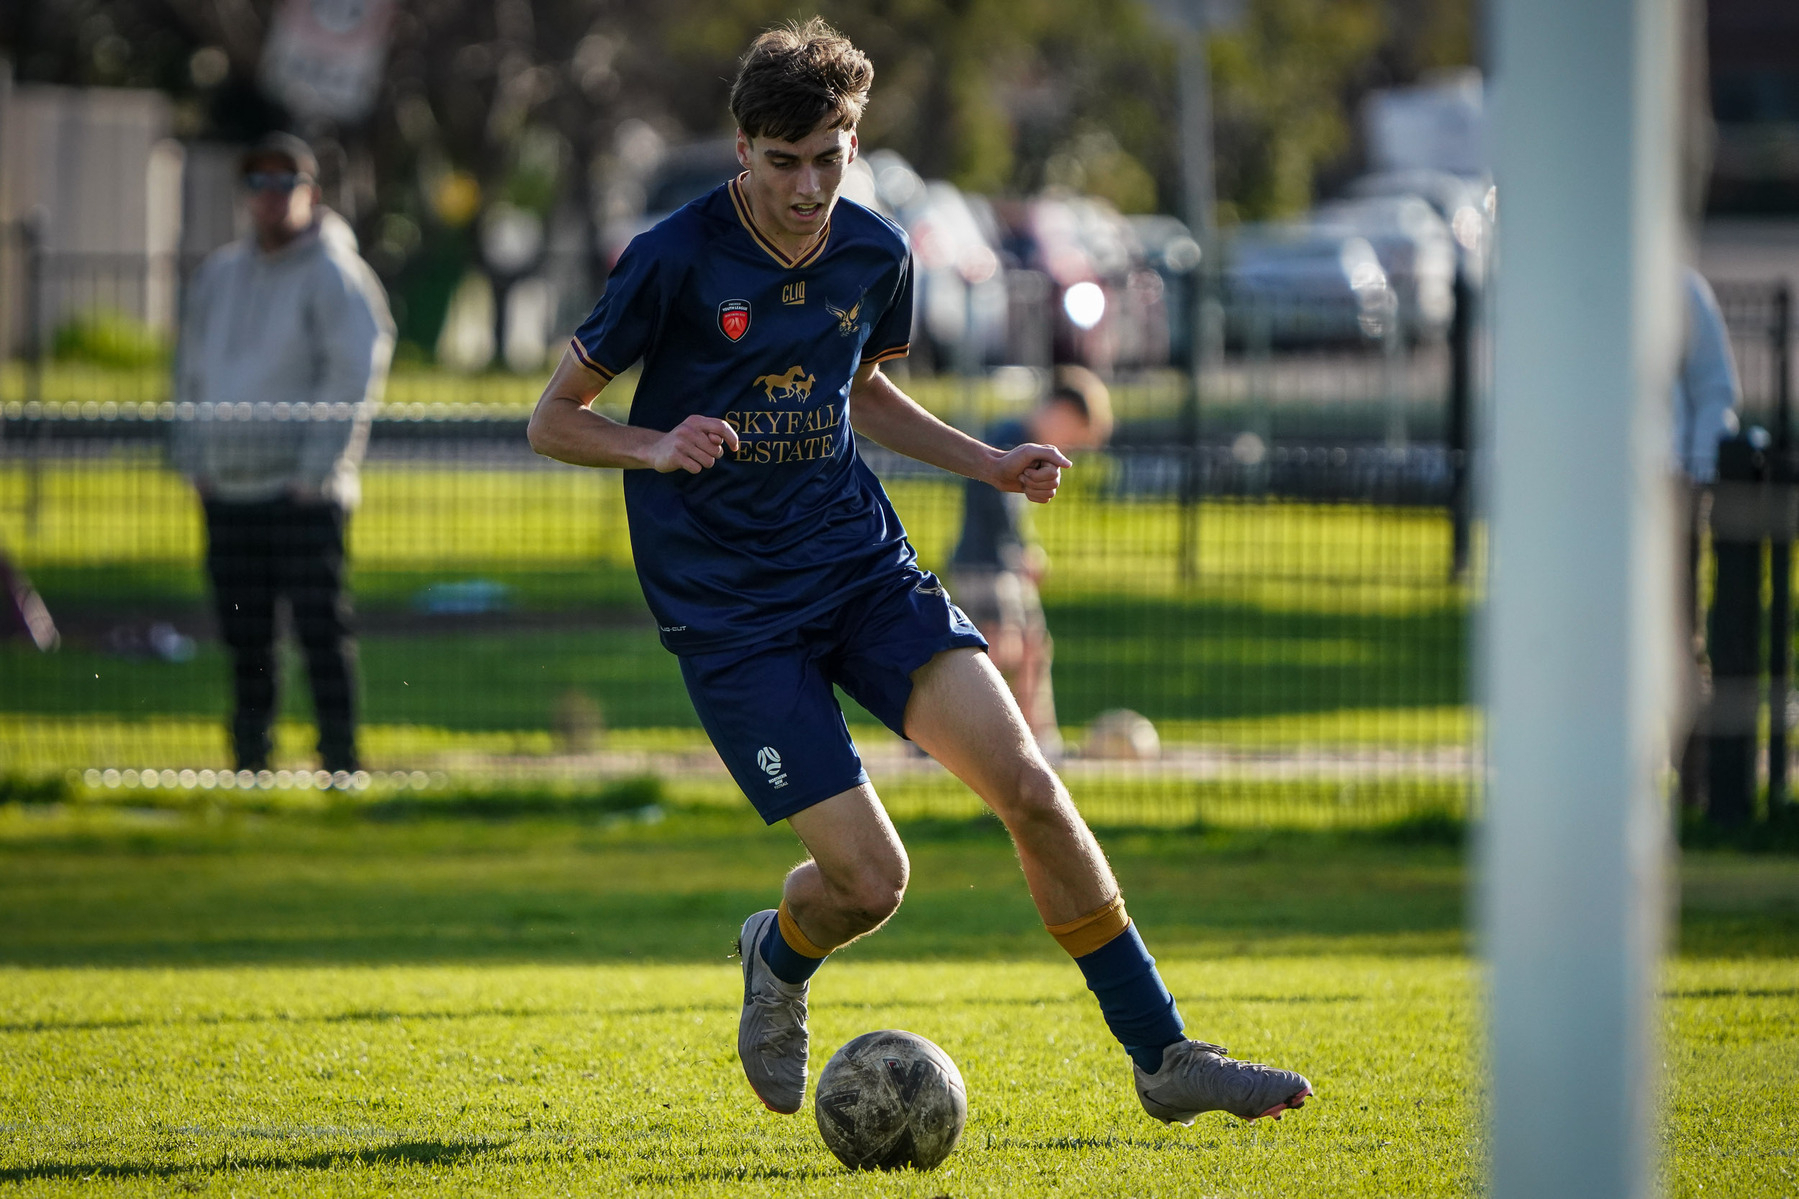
(302,1006)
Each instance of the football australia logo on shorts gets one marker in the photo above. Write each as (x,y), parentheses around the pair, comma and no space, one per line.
(768,758)
(734,318)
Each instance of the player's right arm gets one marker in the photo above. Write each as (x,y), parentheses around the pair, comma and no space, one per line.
(565,427)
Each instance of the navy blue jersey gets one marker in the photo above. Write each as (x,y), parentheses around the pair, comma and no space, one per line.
(726,325)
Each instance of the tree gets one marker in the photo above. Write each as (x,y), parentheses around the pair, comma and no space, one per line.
(511,106)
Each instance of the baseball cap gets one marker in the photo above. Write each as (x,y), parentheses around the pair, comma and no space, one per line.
(282,145)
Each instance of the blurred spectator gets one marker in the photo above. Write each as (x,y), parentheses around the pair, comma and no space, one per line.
(996,566)
(284,350)
(1706,395)
(1706,390)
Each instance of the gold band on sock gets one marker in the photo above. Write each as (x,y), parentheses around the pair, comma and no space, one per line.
(1096,929)
(797,940)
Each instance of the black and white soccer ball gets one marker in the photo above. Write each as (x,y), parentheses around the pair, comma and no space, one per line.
(891,1099)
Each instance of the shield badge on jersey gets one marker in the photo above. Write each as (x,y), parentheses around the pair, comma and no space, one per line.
(734,318)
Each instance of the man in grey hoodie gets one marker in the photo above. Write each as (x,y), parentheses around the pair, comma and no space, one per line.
(285,342)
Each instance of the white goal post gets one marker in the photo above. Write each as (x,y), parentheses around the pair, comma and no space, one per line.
(1578,634)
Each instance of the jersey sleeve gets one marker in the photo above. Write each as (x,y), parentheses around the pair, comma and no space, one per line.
(623,324)
(891,336)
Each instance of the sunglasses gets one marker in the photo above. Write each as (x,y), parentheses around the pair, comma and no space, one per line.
(274,181)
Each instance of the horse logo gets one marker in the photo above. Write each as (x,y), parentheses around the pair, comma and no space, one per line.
(793,385)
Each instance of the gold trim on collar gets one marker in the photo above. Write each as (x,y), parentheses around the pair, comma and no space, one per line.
(741,203)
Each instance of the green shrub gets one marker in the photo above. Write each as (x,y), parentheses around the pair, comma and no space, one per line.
(107,337)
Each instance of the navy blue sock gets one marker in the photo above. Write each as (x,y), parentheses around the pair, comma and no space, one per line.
(1137,1007)
(789,964)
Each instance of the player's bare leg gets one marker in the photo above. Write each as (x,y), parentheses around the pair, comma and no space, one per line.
(962,713)
(856,875)
(849,886)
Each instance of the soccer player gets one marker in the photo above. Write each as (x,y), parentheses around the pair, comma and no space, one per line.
(775,567)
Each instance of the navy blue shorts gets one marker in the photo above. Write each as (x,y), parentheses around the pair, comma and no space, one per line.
(769,707)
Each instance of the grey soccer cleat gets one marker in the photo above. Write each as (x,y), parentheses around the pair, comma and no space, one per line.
(771,1033)
(1196,1077)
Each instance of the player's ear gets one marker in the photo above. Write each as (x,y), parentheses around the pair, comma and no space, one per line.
(854,145)
(743,149)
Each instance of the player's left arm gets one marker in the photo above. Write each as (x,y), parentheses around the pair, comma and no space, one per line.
(880,411)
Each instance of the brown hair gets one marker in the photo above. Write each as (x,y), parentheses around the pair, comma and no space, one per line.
(799,77)
(1085,390)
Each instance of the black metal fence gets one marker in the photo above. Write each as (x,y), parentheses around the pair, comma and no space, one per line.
(1259,596)
(1737,767)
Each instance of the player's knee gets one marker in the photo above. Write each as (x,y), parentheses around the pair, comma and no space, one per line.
(1036,795)
(875,892)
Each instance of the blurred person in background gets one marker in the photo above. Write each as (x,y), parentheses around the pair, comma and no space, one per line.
(997,565)
(284,349)
(1707,393)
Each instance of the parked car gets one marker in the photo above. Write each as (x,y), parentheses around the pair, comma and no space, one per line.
(1106,305)
(1464,203)
(1301,283)
(959,284)
(1416,250)
(687,172)
(681,174)
(1173,253)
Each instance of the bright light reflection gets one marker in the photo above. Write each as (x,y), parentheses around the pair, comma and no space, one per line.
(1085,304)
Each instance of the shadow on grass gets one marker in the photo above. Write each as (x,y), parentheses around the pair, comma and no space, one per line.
(1776,833)
(295,892)
(1083,1144)
(659,1011)
(1214,659)
(1169,659)
(736,1174)
(424,1153)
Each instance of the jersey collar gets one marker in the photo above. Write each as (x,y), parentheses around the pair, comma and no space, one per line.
(741,203)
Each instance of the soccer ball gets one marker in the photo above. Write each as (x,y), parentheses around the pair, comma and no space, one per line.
(890,1099)
(1122,733)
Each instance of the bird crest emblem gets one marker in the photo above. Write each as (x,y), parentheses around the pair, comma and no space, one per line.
(848,319)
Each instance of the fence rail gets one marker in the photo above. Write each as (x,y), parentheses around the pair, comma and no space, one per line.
(1274,566)
(1292,655)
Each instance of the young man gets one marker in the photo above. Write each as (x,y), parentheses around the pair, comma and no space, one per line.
(775,566)
(996,566)
(284,350)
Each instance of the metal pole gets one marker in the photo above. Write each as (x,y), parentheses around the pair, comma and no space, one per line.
(1196,141)
(31,233)
(1579,636)
(1783,366)
(1733,640)
(1461,422)
(1780,556)
(1198,186)
(1780,647)
(1191,465)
